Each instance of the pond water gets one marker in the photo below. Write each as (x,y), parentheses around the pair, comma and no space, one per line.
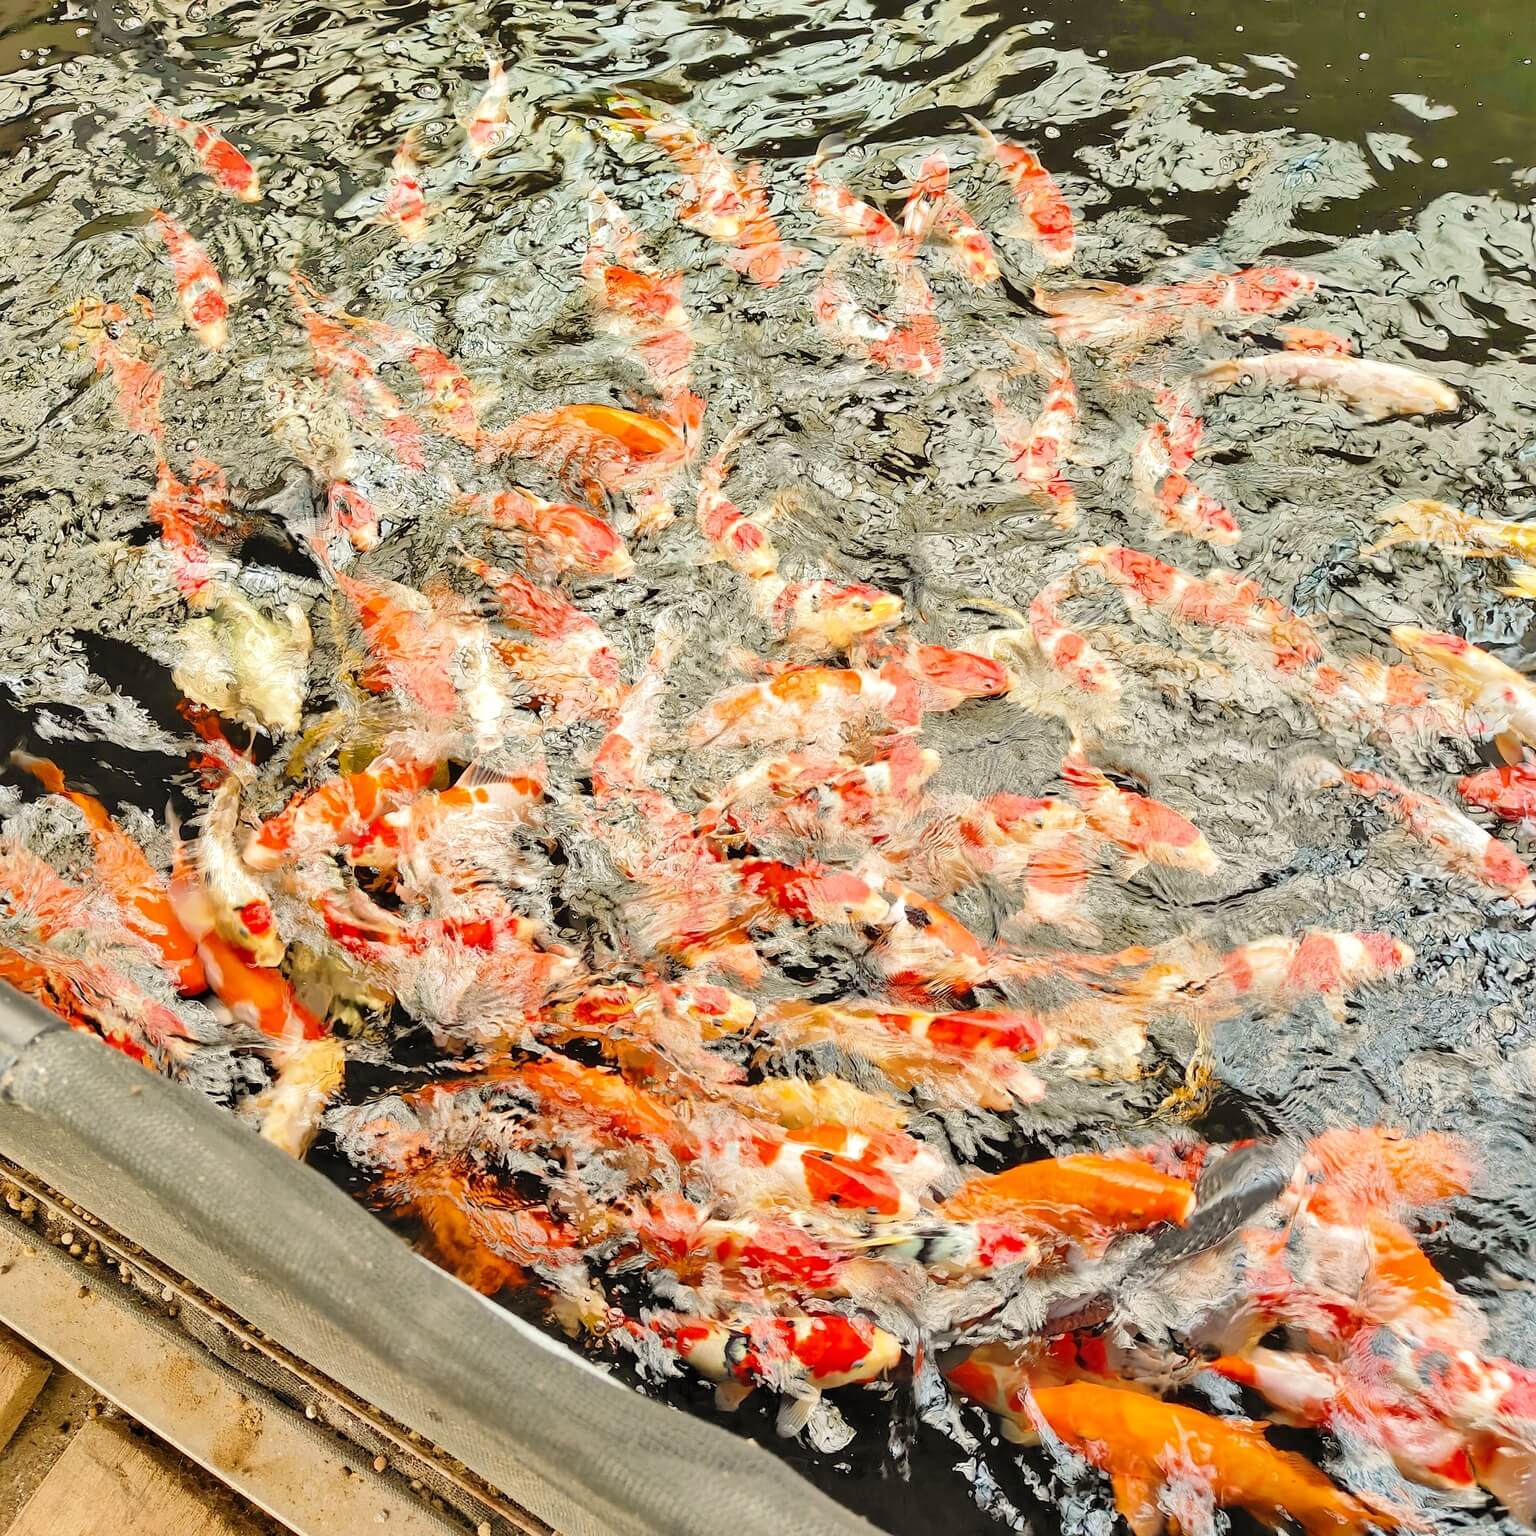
(1386,152)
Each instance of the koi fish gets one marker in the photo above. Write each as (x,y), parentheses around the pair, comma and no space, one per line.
(795,1103)
(220,160)
(485,129)
(1045,217)
(1084,1199)
(137,382)
(244,664)
(1498,694)
(1142,1444)
(811,892)
(1383,1168)
(1064,650)
(1508,791)
(1145,830)
(133,882)
(1461,844)
(198,288)
(1103,314)
(289,1109)
(573,537)
(1397,700)
(1452,531)
(926,951)
(801,703)
(1219,601)
(855,220)
(718,201)
(606,448)
(1158,463)
(971,1056)
(800,1355)
(1522,582)
(822,618)
(1036,448)
(405,204)
(1371,389)
(737,539)
(337,812)
(924,198)
(183,511)
(906,341)
(1306,338)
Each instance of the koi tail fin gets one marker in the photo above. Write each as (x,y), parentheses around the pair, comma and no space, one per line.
(44,770)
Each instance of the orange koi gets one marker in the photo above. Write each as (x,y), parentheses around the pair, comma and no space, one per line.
(139,385)
(1085,1199)
(573,537)
(925,950)
(198,288)
(1142,1443)
(1145,830)
(1046,218)
(1371,1169)
(129,877)
(718,201)
(968,243)
(220,160)
(405,205)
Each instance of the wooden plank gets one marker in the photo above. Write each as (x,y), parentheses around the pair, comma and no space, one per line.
(22,1374)
(107,1480)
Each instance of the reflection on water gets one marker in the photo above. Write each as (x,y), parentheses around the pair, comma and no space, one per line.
(1186,141)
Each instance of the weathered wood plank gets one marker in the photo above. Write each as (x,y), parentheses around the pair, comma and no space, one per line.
(22,1374)
(107,1480)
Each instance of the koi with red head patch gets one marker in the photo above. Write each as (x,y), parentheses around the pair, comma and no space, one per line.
(1508,791)
(1500,697)
(199,290)
(220,160)
(1045,217)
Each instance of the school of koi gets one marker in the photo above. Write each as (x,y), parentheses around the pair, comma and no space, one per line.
(642,1111)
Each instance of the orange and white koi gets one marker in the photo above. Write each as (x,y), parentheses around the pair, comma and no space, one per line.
(220,160)
(1103,314)
(742,542)
(811,892)
(242,912)
(199,290)
(1145,830)
(1500,697)
(924,950)
(1063,649)
(906,341)
(1508,791)
(824,618)
(1310,338)
(572,537)
(968,242)
(718,201)
(1395,699)
(803,703)
(639,305)
(288,1110)
(1021,841)
(1158,462)
(930,184)
(1371,389)
(485,129)
(607,448)
(854,219)
(967,1057)
(1458,842)
(1143,1444)
(1221,601)
(126,873)
(405,204)
(1045,217)
(572,666)
(182,510)
(138,383)
(1036,447)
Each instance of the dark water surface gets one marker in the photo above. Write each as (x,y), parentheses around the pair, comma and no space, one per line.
(1187,138)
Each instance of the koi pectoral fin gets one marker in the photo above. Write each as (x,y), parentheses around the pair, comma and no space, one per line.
(1136,1499)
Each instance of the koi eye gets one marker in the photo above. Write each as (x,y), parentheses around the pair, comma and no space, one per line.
(918,918)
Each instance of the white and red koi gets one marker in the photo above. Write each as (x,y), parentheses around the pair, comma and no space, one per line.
(570,537)
(199,290)
(220,160)
(183,511)
(1064,650)
(740,541)
(1499,697)
(485,129)
(718,201)
(855,220)
(906,341)
(1037,446)
(405,204)
(138,383)
(1509,791)
(1045,217)
(924,198)
(1162,454)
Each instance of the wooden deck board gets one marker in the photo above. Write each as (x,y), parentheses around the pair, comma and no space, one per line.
(22,1374)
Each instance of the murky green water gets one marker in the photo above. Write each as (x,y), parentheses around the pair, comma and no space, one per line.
(1186,139)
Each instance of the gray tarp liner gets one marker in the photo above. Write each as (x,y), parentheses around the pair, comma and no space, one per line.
(291,1254)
